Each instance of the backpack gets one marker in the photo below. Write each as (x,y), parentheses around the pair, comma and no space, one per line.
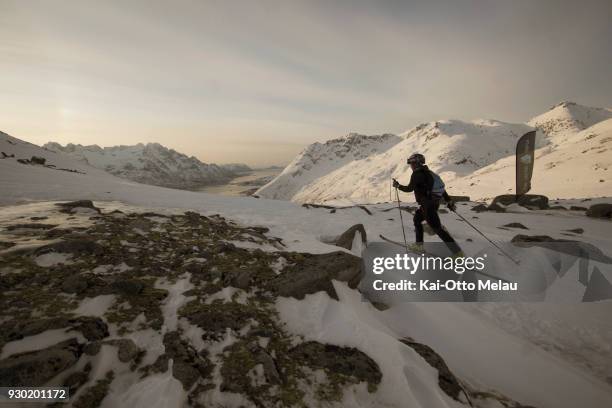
(438,187)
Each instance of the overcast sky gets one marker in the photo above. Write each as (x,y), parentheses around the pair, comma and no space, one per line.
(255,81)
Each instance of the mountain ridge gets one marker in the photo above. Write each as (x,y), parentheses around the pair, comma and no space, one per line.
(457,150)
(151,163)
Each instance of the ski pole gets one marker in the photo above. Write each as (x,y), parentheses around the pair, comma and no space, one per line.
(485,237)
(399,207)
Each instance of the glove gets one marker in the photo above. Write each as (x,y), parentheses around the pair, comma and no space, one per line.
(451,206)
(395,183)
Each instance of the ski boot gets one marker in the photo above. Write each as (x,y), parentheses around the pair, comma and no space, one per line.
(417,247)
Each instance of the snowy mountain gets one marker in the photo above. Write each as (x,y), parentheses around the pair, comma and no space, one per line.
(319,159)
(453,148)
(151,163)
(567,118)
(16,150)
(236,167)
(469,156)
(576,167)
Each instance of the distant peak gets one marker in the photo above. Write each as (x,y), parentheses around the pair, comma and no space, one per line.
(564,104)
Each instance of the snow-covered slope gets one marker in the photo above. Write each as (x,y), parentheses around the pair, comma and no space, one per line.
(579,166)
(150,163)
(14,150)
(452,147)
(236,167)
(319,159)
(474,158)
(567,118)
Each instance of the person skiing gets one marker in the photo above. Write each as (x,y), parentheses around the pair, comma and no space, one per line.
(428,191)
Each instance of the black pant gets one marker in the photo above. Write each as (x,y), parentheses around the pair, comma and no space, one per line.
(428,211)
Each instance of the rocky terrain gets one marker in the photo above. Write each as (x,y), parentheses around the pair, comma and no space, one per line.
(140,263)
(102,301)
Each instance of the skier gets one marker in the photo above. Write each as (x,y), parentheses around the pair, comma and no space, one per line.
(428,191)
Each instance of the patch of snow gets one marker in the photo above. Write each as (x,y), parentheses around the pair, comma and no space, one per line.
(407,380)
(155,391)
(174,300)
(228,294)
(38,341)
(357,244)
(52,259)
(279,264)
(95,306)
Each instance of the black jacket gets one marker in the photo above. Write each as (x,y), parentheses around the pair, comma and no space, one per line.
(421,182)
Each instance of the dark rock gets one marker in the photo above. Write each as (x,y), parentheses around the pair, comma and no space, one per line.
(515,225)
(35,368)
(6,245)
(225,247)
(479,208)
(577,208)
(603,210)
(127,349)
(75,380)
(315,273)
(557,207)
(347,361)
(128,287)
(72,246)
(92,328)
(531,201)
(443,211)
(532,238)
(345,240)
(92,348)
(216,318)
(380,305)
(30,226)
(243,280)
(576,230)
(188,366)
(38,160)
(92,396)
(317,206)
(269,367)
(70,206)
(261,230)
(446,379)
(20,304)
(57,233)
(74,284)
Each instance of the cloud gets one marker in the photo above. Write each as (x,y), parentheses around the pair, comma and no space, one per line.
(324,68)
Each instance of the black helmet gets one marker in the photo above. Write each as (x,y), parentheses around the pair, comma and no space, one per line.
(417,159)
